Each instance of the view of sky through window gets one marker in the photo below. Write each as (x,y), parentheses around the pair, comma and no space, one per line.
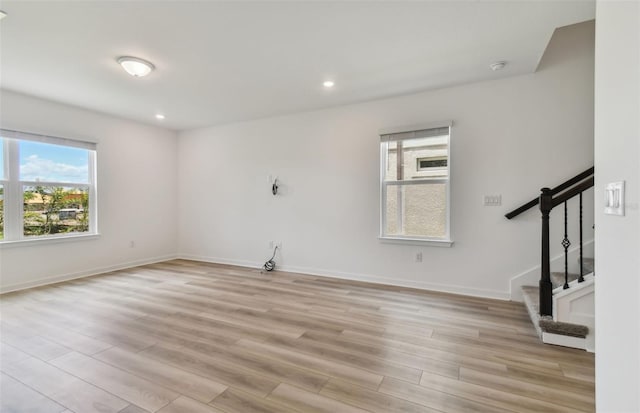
(53,163)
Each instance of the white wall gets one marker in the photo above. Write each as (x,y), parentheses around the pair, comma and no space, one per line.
(617,148)
(136,194)
(510,137)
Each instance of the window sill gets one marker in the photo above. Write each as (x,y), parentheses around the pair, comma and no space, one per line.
(418,241)
(28,242)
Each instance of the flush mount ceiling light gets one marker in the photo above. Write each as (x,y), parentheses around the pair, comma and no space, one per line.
(136,67)
(160,116)
(495,66)
(328,83)
(2,15)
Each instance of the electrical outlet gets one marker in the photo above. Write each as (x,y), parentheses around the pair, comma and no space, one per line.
(271,244)
(418,257)
(279,245)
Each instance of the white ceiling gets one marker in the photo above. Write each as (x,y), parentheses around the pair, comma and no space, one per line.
(219,62)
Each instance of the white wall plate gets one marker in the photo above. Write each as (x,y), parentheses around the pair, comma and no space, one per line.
(614,198)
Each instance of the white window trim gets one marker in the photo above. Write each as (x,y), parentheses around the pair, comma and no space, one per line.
(445,241)
(51,239)
(434,242)
(13,190)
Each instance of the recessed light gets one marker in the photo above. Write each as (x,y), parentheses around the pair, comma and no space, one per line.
(159,116)
(495,66)
(135,66)
(2,15)
(328,83)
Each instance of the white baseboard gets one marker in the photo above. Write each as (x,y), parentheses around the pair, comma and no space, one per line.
(82,274)
(453,289)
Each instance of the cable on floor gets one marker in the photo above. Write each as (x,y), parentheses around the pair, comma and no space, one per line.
(270,265)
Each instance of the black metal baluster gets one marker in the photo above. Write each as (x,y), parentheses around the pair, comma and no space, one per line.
(581,278)
(566,243)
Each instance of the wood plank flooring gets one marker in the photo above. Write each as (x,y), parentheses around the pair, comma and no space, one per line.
(189,337)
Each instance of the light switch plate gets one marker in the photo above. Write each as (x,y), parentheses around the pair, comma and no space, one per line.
(614,198)
(492,200)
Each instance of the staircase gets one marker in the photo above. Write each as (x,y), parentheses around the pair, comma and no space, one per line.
(561,307)
(572,324)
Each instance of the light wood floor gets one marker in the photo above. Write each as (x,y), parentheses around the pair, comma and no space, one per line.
(181,337)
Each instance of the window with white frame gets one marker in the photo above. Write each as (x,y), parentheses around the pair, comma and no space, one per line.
(47,187)
(415,171)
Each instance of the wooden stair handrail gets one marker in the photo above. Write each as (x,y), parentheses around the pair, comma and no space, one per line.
(565,196)
(568,183)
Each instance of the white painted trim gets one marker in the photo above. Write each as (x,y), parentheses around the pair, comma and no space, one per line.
(565,341)
(446,243)
(417,181)
(52,239)
(224,261)
(445,288)
(574,287)
(82,274)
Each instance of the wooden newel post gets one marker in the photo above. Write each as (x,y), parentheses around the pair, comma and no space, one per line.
(546,288)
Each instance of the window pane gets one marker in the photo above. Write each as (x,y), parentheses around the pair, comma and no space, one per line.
(55,210)
(432,162)
(1,212)
(422,207)
(53,163)
(418,158)
(393,194)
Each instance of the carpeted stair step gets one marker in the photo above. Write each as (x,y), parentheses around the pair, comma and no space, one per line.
(565,329)
(557,278)
(588,265)
(546,324)
(531,297)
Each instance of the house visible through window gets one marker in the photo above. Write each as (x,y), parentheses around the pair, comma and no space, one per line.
(47,186)
(415,184)
(426,164)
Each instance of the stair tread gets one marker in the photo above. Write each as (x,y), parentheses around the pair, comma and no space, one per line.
(557,278)
(565,329)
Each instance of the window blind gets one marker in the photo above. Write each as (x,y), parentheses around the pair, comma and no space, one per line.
(11,134)
(415,132)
